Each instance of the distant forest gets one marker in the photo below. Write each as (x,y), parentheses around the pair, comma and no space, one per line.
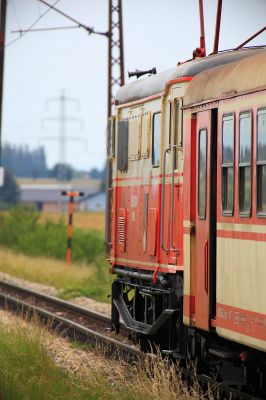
(26,163)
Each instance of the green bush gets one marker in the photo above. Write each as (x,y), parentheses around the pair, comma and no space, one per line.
(22,231)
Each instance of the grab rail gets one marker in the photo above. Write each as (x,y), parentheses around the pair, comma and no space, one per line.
(171,248)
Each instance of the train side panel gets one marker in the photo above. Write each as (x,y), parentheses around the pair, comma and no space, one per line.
(241,230)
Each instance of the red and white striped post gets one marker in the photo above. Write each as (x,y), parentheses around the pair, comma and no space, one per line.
(71,196)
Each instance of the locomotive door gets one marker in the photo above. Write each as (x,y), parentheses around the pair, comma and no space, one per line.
(206,184)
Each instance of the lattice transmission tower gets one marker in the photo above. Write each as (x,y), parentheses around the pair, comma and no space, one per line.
(115,51)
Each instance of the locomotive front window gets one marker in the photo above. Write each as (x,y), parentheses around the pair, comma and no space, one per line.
(122,146)
(261,162)
(156,139)
(245,189)
(228,144)
(202,178)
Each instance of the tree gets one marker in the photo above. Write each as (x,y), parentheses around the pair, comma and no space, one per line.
(62,172)
(9,192)
(23,162)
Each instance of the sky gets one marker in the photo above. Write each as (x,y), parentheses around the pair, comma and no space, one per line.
(40,65)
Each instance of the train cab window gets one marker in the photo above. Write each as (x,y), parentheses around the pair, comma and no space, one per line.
(261,162)
(245,134)
(156,139)
(122,146)
(111,137)
(202,171)
(228,144)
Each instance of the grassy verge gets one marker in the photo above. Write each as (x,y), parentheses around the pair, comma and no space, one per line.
(71,281)
(22,231)
(29,372)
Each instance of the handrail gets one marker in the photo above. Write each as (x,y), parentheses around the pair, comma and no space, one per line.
(162,200)
(171,248)
(179,148)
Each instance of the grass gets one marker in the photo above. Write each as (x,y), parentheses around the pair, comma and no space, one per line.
(28,371)
(75,280)
(21,231)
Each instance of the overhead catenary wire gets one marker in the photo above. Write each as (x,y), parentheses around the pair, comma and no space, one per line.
(22,33)
(15,12)
(89,29)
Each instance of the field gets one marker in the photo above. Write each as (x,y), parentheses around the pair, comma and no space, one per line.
(33,247)
(84,220)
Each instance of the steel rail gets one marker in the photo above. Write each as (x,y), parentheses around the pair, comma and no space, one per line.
(68,328)
(32,295)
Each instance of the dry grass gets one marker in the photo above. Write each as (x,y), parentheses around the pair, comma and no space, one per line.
(84,220)
(43,270)
(50,181)
(97,377)
(71,281)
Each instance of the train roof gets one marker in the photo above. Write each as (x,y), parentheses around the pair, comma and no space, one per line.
(154,84)
(226,80)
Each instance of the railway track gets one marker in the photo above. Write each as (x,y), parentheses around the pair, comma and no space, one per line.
(70,320)
(93,328)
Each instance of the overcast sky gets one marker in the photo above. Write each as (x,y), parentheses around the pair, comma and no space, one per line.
(38,66)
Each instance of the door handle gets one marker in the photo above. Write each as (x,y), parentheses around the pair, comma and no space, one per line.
(206,267)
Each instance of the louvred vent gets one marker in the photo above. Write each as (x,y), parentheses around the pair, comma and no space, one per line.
(122,229)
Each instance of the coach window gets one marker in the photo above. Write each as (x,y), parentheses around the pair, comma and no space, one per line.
(261,162)
(202,178)
(156,139)
(245,130)
(228,143)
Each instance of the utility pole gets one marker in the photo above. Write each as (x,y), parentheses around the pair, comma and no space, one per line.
(115,51)
(62,138)
(3,4)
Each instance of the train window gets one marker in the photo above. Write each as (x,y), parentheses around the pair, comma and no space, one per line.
(228,143)
(156,139)
(122,146)
(202,170)
(111,137)
(261,162)
(245,133)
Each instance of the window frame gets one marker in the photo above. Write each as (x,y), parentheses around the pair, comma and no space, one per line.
(226,212)
(260,214)
(153,117)
(202,217)
(241,165)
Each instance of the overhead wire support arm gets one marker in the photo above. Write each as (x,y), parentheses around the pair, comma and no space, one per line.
(56,28)
(79,24)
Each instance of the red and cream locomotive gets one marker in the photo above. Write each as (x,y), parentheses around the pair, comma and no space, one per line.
(186,217)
